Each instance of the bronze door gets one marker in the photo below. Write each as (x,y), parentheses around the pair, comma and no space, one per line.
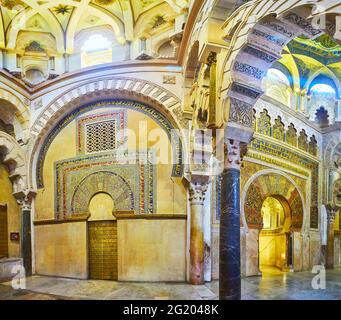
(103,250)
(3,233)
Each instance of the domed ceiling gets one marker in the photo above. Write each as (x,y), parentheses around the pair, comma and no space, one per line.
(303,59)
(56,23)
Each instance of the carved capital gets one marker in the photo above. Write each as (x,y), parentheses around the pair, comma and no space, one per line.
(24,198)
(197,192)
(331,212)
(234,152)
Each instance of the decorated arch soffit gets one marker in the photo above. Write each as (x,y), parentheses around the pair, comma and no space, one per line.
(140,95)
(263,37)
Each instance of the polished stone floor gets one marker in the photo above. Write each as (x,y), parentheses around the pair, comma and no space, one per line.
(296,286)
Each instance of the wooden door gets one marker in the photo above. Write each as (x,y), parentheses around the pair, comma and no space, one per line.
(3,233)
(103,250)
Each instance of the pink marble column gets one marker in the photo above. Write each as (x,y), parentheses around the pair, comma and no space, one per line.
(197,189)
(331,212)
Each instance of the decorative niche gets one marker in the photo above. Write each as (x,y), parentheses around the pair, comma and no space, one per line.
(35,58)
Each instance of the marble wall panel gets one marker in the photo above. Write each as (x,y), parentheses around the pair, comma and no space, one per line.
(298,252)
(61,250)
(337,256)
(252,250)
(315,253)
(215,251)
(151,250)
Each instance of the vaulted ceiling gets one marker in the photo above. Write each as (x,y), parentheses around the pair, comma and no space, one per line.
(64,19)
(304,59)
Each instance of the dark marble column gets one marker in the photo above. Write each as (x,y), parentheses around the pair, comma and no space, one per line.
(197,190)
(24,199)
(229,246)
(26,242)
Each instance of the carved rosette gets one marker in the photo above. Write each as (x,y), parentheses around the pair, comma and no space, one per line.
(197,193)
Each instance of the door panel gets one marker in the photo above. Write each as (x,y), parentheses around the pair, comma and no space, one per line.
(103,250)
(3,233)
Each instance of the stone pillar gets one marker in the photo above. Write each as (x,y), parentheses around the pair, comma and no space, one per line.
(24,199)
(338,110)
(1,59)
(197,189)
(207,235)
(66,62)
(127,51)
(331,212)
(229,246)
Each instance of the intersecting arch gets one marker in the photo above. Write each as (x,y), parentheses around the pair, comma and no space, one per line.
(258,31)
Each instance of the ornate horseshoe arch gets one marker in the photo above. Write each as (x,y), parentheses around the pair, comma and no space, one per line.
(102,182)
(159,103)
(269,183)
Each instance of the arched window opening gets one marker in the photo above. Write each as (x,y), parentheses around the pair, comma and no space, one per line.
(277,86)
(278,76)
(96,50)
(323,89)
(323,97)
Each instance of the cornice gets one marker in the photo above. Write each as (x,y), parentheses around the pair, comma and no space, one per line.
(30,92)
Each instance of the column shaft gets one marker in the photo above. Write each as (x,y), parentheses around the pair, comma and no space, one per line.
(330,245)
(197,249)
(197,245)
(26,243)
(229,246)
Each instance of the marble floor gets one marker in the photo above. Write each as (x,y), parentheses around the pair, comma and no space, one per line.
(291,286)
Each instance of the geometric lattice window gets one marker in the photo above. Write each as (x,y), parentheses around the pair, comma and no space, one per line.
(101,136)
(102,132)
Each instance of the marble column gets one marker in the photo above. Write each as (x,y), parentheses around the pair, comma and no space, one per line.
(207,235)
(66,58)
(197,189)
(26,242)
(24,199)
(229,245)
(331,212)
